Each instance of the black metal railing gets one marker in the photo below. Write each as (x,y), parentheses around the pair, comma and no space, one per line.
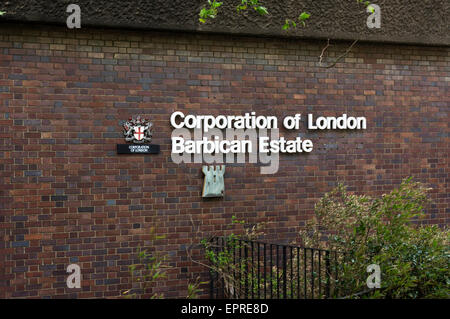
(255,269)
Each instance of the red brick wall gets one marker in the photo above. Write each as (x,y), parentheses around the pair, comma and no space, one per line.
(67,197)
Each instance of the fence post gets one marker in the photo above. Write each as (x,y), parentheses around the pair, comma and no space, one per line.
(212,278)
(211,285)
(284,272)
(246,270)
(253,273)
(327,274)
(217,277)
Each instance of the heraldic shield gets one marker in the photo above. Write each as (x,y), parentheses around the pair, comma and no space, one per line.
(138,133)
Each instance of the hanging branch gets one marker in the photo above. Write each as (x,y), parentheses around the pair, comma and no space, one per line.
(323,51)
(339,57)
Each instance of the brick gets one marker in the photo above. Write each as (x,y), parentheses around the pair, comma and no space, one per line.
(33,173)
(59,198)
(20,244)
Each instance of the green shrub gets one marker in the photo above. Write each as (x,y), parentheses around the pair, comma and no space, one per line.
(414,259)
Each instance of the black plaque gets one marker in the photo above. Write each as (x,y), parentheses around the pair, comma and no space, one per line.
(137,149)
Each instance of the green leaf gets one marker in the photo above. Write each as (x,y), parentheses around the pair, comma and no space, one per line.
(261,10)
(203,13)
(303,16)
(239,8)
(2,13)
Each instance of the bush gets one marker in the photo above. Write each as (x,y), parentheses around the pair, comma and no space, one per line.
(413,258)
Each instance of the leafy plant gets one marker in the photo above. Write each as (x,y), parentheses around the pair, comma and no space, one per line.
(211,12)
(194,288)
(252,4)
(226,259)
(147,271)
(413,258)
(292,23)
(367,4)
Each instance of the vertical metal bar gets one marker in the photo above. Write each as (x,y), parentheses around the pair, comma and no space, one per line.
(278,277)
(271,272)
(253,274)
(240,268)
(217,252)
(292,281)
(259,271)
(219,279)
(222,248)
(312,273)
(336,275)
(246,269)
(234,245)
(265,272)
(225,249)
(222,286)
(228,251)
(304,275)
(298,272)
(284,272)
(327,274)
(320,282)
(211,287)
